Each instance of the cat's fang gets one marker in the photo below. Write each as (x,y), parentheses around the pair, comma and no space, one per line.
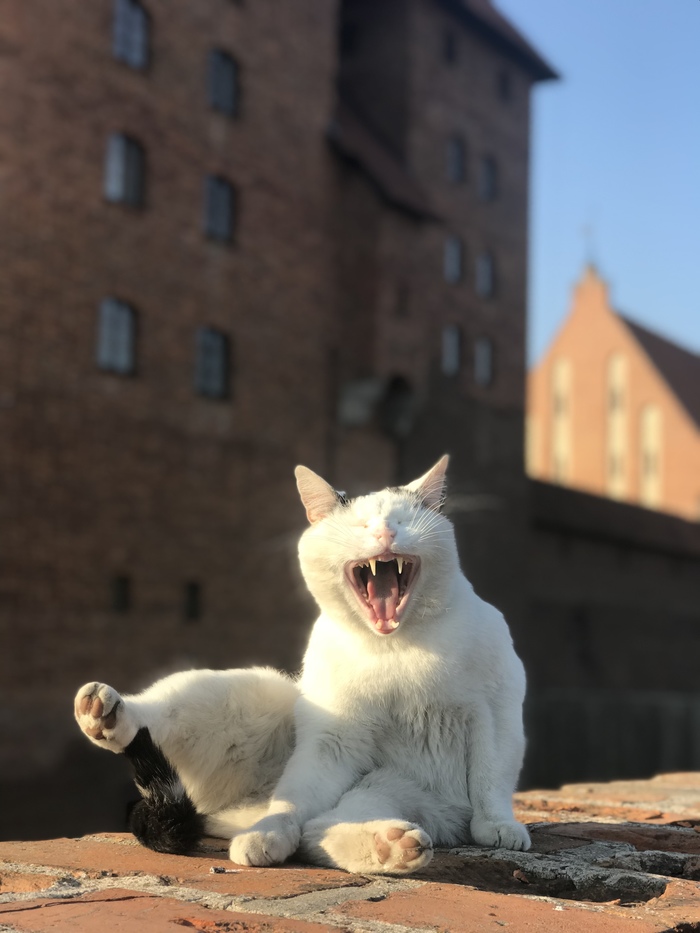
(373,566)
(399,564)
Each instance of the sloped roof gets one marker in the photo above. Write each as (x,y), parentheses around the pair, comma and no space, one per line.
(356,142)
(680,368)
(485,16)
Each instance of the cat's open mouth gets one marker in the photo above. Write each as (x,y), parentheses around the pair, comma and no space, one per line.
(383,586)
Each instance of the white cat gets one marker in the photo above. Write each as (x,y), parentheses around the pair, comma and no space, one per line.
(403,731)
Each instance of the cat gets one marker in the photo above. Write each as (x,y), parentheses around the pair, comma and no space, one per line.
(404,730)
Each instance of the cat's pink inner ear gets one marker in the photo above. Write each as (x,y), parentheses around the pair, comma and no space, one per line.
(431,486)
(318,497)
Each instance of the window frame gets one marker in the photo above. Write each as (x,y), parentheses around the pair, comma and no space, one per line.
(451,350)
(485,275)
(456,161)
(117,330)
(131,34)
(484,366)
(125,171)
(219,221)
(217,387)
(453,259)
(224,83)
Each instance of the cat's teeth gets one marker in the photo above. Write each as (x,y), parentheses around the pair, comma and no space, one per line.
(399,561)
(373,566)
(394,623)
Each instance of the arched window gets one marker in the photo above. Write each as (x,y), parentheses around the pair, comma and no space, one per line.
(130,33)
(116,337)
(488,179)
(224,83)
(650,439)
(485,275)
(451,355)
(125,170)
(219,208)
(453,256)
(456,160)
(616,452)
(212,363)
(561,421)
(483,361)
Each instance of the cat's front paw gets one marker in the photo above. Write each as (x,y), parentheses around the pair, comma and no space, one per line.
(500,834)
(102,716)
(270,842)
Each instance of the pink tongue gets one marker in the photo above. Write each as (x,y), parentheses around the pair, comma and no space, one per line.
(383,595)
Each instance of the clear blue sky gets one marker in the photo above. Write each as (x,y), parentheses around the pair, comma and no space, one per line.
(616,148)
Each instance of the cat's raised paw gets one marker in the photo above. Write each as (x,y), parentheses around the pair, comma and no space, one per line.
(401,848)
(504,834)
(101,715)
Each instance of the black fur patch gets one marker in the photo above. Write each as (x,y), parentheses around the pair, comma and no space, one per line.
(166,819)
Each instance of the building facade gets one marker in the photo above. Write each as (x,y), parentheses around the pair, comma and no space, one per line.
(614,409)
(239,236)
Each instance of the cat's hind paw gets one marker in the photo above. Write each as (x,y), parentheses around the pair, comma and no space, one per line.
(101,714)
(400,848)
(500,834)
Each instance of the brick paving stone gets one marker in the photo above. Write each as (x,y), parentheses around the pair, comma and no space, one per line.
(17,882)
(643,838)
(133,912)
(449,907)
(118,854)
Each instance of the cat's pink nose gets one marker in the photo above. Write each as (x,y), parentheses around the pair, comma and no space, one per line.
(385,536)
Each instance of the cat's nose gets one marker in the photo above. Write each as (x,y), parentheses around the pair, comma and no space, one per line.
(385,536)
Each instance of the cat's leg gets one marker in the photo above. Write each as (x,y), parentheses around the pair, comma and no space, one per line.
(227,734)
(496,750)
(377,827)
(330,755)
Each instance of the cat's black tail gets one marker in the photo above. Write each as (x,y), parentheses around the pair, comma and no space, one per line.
(165,819)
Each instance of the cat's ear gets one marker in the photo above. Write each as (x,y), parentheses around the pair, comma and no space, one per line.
(318,497)
(431,486)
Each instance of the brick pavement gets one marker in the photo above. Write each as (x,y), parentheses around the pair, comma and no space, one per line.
(616,857)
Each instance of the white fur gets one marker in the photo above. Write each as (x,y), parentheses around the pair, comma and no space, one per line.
(403,740)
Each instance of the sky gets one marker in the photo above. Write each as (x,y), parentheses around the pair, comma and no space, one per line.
(615,173)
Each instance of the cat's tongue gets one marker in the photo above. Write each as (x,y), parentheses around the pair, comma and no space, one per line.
(383,597)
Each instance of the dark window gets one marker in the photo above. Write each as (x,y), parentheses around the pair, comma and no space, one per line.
(125,169)
(453,257)
(116,337)
(485,276)
(488,179)
(451,355)
(224,85)
(219,209)
(211,376)
(456,160)
(449,47)
(130,33)
(121,594)
(193,601)
(483,361)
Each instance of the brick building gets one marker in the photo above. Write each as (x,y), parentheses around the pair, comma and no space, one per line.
(239,236)
(614,575)
(614,409)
